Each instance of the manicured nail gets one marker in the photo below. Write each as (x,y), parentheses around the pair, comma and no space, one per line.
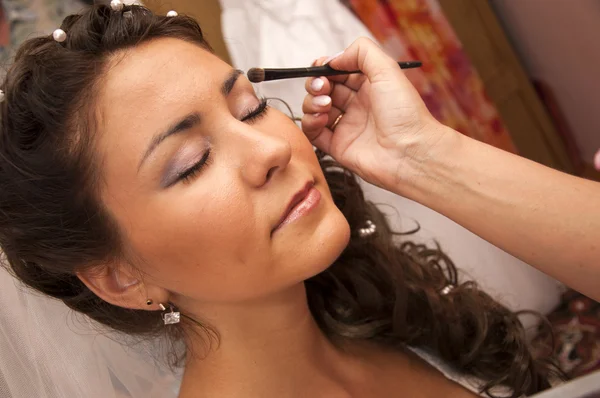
(322,100)
(328,60)
(317,84)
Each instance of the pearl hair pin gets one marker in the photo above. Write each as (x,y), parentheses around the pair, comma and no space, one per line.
(369,230)
(117,5)
(59,35)
(447,289)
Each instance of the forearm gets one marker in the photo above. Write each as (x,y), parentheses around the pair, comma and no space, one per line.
(544,217)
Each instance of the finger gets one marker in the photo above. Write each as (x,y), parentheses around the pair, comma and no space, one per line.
(312,123)
(319,61)
(366,56)
(333,114)
(317,86)
(342,96)
(354,81)
(316,104)
(315,130)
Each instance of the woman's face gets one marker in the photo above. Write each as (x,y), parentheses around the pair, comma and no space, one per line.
(198,175)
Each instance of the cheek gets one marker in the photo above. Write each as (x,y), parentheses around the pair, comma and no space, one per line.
(198,242)
(304,152)
(310,251)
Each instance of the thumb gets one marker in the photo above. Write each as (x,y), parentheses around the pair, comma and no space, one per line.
(365,55)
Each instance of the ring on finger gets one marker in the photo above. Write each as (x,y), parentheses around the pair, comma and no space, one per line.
(336,121)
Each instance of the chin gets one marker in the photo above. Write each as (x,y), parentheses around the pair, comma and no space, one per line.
(310,245)
(328,241)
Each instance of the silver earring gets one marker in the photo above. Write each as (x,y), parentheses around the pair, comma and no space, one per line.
(367,231)
(170,317)
(59,35)
(117,5)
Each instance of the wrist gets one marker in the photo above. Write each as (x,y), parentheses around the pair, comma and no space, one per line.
(427,163)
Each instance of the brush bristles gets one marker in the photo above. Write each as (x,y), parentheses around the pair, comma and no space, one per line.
(256,75)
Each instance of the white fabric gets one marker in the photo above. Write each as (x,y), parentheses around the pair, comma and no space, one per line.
(289,33)
(48,352)
(286,33)
(469,382)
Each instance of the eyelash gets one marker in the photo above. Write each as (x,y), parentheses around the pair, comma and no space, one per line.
(187,175)
(252,116)
(257,112)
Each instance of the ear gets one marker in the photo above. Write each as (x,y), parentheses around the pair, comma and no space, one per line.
(120,285)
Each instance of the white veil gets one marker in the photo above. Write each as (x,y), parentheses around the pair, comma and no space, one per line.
(48,352)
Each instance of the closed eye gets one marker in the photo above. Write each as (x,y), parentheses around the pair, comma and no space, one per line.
(190,173)
(251,116)
(256,113)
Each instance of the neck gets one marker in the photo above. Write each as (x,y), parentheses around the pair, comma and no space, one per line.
(268,347)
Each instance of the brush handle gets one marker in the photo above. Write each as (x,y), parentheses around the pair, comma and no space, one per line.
(325,70)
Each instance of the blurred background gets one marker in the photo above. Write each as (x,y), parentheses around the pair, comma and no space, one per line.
(518,74)
(521,75)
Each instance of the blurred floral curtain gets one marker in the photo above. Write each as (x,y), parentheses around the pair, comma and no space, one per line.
(448,83)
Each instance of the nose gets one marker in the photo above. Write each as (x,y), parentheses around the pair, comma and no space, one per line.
(263,153)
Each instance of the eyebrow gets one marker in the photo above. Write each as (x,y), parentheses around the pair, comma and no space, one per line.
(191,120)
(228,84)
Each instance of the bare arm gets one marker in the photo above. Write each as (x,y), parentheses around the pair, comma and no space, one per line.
(546,218)
(387,136)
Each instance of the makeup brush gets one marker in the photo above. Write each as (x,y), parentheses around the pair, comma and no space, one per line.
(257,75)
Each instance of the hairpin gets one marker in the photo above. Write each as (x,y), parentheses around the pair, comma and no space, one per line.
(1,96)
(368,230)
(172,13)
(59,35)
(447,289)
(117,5)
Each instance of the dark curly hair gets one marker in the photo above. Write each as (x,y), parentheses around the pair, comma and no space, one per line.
(382,288)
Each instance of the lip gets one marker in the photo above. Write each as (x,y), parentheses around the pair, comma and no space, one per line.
(300,204)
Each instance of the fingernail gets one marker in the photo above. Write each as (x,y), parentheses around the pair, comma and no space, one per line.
(597,161)
(317,84)
(322,100)
(328,60)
